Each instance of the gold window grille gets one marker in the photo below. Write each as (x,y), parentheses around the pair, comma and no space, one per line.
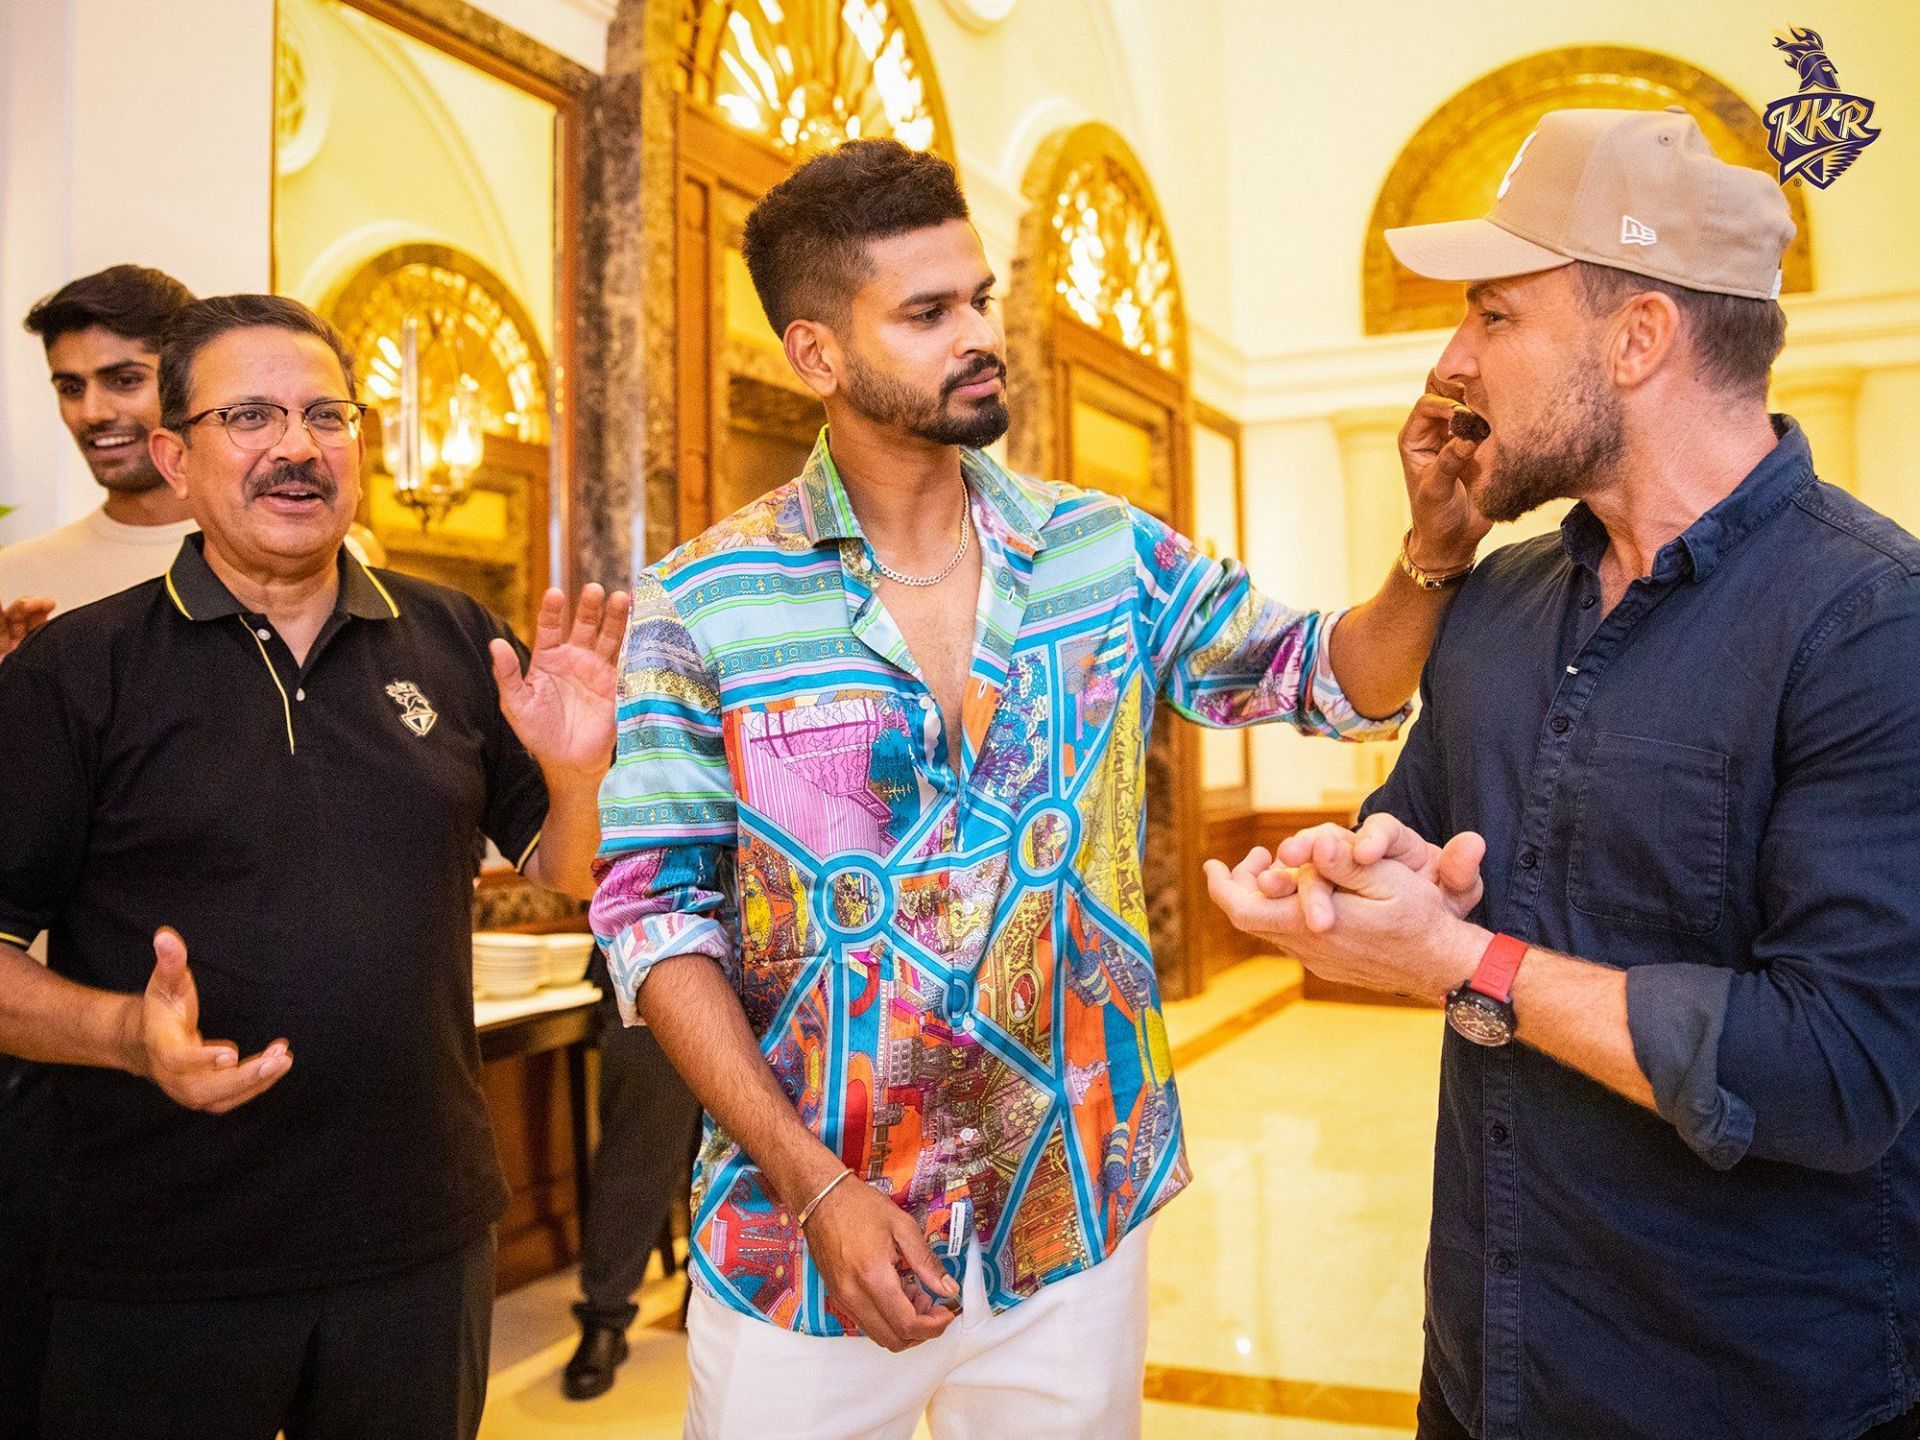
(806,75)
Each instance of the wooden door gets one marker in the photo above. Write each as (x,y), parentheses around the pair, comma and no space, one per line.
(1123,429)
(746,423)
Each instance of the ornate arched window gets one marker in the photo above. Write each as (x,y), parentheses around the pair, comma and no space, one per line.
(1110,263)
(1097,385)
(459,489)
(1453,164)
(805,75)
(473,330)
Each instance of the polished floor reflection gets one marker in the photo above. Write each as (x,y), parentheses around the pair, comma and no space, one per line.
(1286,1281)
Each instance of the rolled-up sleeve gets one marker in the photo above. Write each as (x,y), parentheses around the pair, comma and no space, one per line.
(1226,656)
(1812,1055)
(667,816)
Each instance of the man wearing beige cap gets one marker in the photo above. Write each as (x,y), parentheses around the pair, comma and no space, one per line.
(1674,755)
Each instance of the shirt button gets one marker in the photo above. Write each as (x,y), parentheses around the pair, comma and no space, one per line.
(1497,1133)
(1561,724)
(1503,1262)
(1586,603)
(299,694)
(1528,859)
(264,633)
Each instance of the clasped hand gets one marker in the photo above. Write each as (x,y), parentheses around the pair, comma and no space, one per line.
(1379,907)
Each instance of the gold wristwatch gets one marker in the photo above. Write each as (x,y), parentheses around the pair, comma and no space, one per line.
(1427,579)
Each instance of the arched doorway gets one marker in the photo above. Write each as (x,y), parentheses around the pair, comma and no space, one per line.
(1097,380)
(479,351)
(761,85)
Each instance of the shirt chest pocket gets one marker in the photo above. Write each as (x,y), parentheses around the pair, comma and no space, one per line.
(835,775)
(1649,842)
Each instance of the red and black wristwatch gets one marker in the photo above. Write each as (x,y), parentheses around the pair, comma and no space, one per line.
(1481,1010)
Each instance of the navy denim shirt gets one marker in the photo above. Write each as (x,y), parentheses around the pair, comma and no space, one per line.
(1715,787)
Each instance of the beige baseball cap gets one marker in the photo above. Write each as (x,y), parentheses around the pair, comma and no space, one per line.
(1639,190)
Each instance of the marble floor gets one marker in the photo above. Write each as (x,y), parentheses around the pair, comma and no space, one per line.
(1285,1286)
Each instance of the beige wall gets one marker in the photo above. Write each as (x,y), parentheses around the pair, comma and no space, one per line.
(127,132)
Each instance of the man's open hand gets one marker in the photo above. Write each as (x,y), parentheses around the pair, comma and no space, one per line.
(21,619)
(562,708)
(163,1041)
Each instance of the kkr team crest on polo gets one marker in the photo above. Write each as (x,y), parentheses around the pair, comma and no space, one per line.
(1816,134)
(415,713)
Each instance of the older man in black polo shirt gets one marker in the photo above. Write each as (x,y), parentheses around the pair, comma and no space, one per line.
(277,761)
(1687,1201)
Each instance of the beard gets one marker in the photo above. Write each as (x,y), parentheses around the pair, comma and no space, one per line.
(1578,437)
(938,418)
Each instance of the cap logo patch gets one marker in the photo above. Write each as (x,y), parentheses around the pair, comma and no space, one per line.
(1507,179)
(1816,134)
(1636,232)
(415,713)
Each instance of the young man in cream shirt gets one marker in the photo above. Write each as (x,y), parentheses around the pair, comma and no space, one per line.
(102,335)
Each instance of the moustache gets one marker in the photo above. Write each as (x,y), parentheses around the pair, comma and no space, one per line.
(306,474)
(989,369)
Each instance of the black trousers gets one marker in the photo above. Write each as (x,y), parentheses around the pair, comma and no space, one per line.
(1437,1422)
(648,1124)
(29,1168)
(403,1357)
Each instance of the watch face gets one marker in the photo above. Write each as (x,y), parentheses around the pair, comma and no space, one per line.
(1480,1018)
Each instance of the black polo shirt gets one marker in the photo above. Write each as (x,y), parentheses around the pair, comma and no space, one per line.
(311,831)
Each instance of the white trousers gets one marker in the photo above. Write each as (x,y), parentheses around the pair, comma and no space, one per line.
(1068,1364)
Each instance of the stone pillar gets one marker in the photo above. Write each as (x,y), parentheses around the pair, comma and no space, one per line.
(1376,494)
(1823,401)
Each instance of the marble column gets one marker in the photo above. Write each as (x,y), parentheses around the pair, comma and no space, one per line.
(1823,402)
(1376,491)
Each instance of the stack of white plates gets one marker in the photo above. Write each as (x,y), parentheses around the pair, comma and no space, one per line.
(568,956)
(506,964)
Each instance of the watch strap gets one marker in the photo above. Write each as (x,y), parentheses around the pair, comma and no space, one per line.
(1493,977)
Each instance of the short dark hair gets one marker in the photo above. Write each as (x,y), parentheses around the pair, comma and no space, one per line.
(204,321)
(132,301)
(1735,339)
(805,240)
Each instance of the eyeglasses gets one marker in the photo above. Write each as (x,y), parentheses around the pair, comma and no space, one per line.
(260,424)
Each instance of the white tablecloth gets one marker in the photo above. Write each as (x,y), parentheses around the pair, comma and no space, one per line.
(488,1013)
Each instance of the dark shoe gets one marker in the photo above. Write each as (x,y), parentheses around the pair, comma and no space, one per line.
(603,1350)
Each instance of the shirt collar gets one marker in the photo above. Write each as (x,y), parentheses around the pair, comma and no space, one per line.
(1021,505)
(199,594)
(1781,474)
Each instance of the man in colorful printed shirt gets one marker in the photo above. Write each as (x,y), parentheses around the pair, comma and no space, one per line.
(871,856)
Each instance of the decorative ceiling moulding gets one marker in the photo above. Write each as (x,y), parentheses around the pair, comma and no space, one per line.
(480,37)
(1454,161)
(981,16)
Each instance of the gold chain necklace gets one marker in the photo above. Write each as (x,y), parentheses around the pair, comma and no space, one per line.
(921,581)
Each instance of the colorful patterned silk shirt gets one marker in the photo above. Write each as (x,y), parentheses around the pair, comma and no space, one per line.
(944,955)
